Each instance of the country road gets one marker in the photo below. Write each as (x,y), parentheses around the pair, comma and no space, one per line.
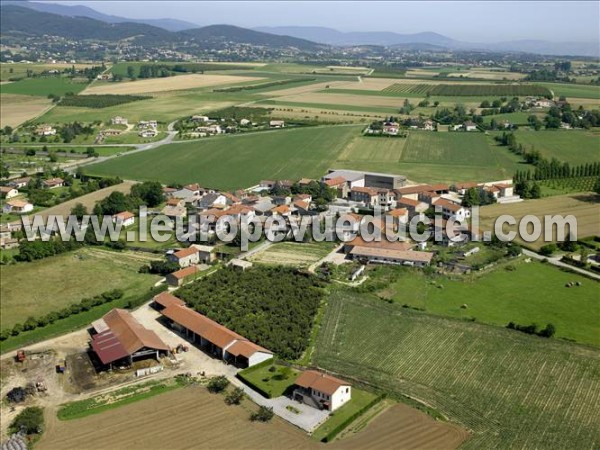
(555,261)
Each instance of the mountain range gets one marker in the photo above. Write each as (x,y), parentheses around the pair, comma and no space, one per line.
(82,22)
(331,36)
(19,21)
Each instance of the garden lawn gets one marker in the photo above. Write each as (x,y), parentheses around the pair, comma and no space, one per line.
(274,383)
(532,293)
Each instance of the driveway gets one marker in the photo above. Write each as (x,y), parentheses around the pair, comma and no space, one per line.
(308,418)
(555,261)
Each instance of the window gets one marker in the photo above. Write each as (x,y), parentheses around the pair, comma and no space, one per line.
(347,390)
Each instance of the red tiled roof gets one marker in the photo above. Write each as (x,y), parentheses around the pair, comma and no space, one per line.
(124,215)
(311,379)
(366,190)
(166,299)
(184,253)
(186,272)
(335,181)
(414,189)
(408,202)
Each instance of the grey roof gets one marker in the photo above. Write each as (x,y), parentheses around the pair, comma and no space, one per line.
(353,175)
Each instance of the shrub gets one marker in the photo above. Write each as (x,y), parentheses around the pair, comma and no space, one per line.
(548,249)
(29,421)
(217,384)
(235,397)
(263,414)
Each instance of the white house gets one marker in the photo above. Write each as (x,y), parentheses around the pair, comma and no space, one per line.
(470,126)
(45,130)
(452,210)
(125,218)
(17,206)
(185,257)
(321,390)
(200,118)
(118,120)
(53,183)
(8,192)
(276,124)
(245,122)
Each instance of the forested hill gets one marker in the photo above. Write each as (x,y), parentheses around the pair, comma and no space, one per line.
(18,21)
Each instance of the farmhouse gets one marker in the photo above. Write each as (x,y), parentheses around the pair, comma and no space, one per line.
(181,276)
(148,133)
(386,256)
(8,192)
(214,338)
(19,183)
(391,128)
(53,183)
(413,206)
(321,390)
(200,118)
(118,120)
(124,218)
(470,126)
(358,241)
(206,253)
(276,124)
(451,209)
(368,196)
(17,206)
(185,257)
(45,130)
(118,339)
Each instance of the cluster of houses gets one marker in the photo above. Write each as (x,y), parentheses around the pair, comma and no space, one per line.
(147,128)
(211,127)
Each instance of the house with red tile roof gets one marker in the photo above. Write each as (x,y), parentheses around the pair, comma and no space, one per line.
(321,390)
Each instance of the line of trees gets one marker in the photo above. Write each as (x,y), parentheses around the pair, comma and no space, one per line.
(547,332)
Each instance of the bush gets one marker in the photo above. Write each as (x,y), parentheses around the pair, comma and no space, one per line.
(263,414)
(29,421)
(217,384)
(548,249)
(235,397)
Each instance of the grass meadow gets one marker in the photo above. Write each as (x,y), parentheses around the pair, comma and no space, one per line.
(237,161)
(38,287)
(510,389)
(228,162)
(531,293)
(44,86)
(572,146)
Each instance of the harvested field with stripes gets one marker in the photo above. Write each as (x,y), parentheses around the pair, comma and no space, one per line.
(510,389)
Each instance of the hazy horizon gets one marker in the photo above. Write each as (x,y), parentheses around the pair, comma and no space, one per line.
(483,21)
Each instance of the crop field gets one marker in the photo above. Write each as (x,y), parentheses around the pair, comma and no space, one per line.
(572,146)
(504,296)
(121,68)
(238,161)
(16,109)
(574,90)
(44,86)
(514,90)
(404,88)
(430,157)
(509,389)
(38,287)
(293,254)
(181,426)
(164,107)
(19,70)
(179,83)
(583,206)
(403,428)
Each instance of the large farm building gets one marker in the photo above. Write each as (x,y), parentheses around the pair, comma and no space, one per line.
(119,339)
(212,337)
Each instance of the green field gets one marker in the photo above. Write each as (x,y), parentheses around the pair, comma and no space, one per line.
(237,161)
(228,162)
(572,146)
(532,293)
(44,86)
(574,90)
(273,380)
(38,287)
(510,389)
(430,157)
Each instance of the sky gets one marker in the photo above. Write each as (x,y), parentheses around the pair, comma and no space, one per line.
(477,21)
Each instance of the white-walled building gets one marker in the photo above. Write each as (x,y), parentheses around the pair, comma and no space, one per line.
(321,390)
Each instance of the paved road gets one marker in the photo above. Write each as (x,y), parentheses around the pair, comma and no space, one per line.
(555,261)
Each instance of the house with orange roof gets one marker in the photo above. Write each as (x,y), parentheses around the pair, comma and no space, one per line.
(321,391)
(185,257)
(452,210)
(17,207)
(53,183)
(281,210)
(413,206)
(8,192)
(125,218)
(179,277)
